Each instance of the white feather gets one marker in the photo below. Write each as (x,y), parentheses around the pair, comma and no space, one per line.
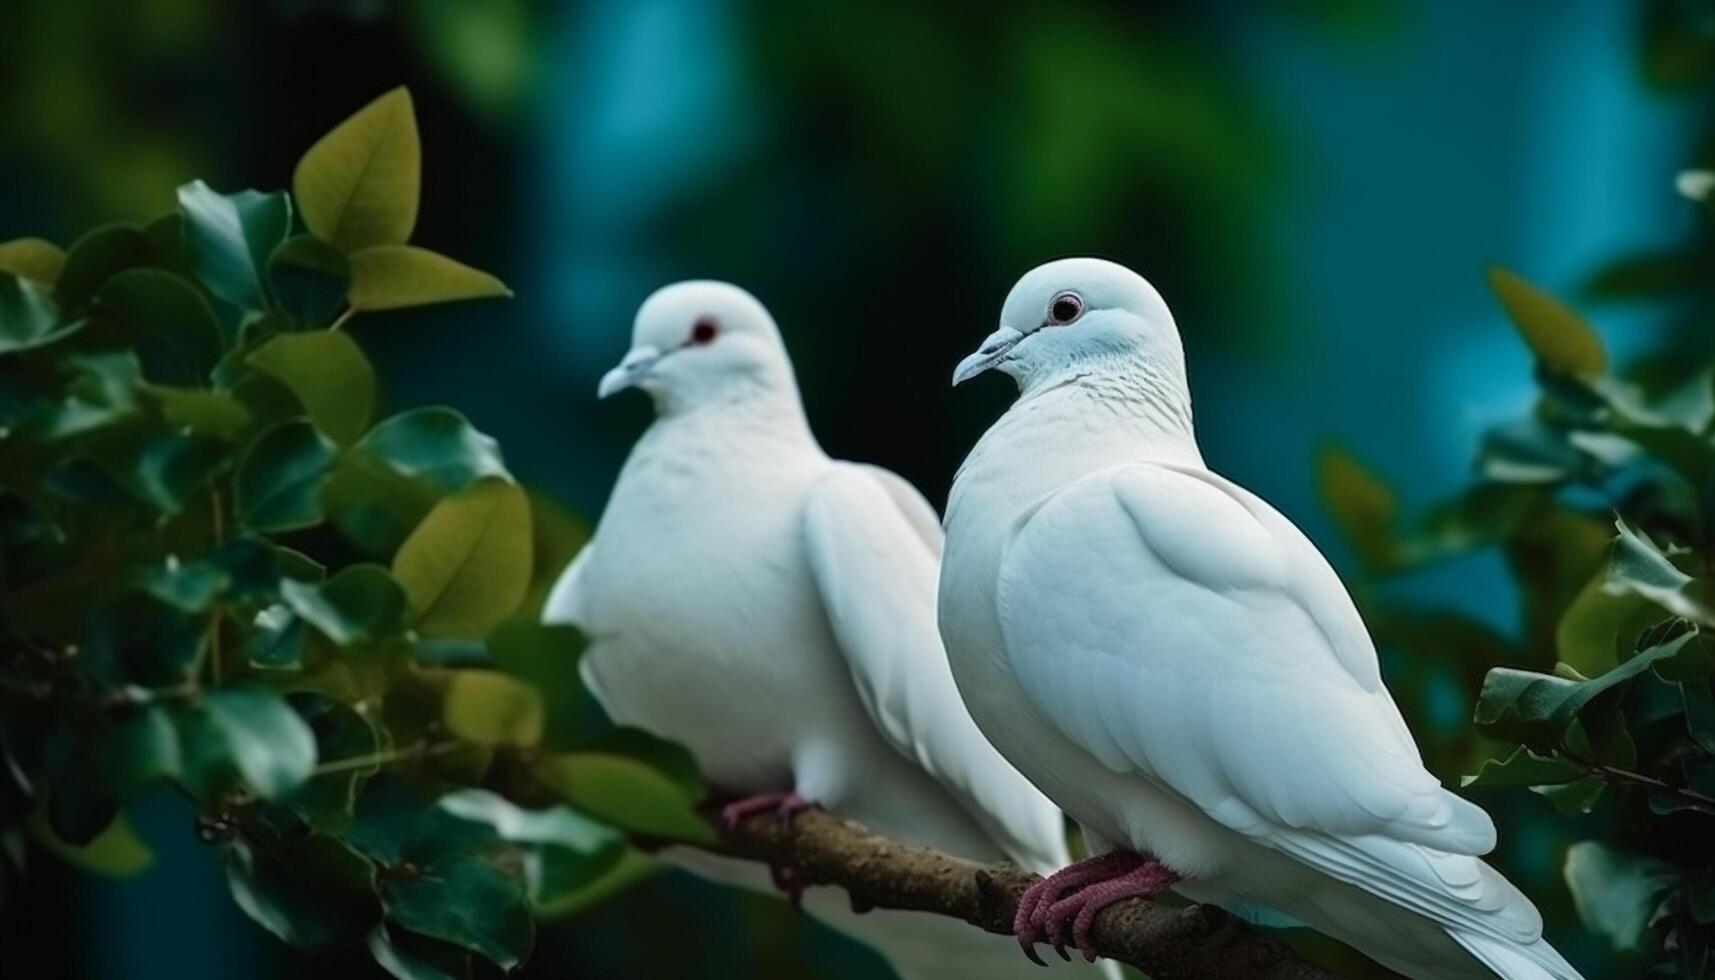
(773,610)
(1178,666)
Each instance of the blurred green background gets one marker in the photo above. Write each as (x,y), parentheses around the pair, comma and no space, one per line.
(1315,187)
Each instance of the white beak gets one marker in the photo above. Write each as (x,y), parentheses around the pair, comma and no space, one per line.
(634,367)
(995,346)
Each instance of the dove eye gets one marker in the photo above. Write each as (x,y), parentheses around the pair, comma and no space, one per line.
(704,330)
(1065,308)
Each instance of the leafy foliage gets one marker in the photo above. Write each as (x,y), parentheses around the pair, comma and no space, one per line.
(1602,501)
(222,574)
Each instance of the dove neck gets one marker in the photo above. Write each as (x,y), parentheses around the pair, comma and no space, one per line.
(1137,404)
(760,405)
(1061,430)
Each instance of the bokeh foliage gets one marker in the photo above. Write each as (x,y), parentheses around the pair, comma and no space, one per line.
(1602,501)
(222,573)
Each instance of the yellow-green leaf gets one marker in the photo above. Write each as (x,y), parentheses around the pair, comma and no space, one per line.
(490,708)
(116,851)
(467,565)
(358,185)
(1361,504)
(626,792)
(36,259)
(329,374)
(210,413)
(387,277)
(1560,337)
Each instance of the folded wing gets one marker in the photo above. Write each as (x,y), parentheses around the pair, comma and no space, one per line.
(1178,628)
(874,564)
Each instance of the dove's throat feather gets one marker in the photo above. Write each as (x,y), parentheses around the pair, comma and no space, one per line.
(1094,415)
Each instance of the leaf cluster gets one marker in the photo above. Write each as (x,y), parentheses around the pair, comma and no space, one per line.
(1602,501)
(222,571)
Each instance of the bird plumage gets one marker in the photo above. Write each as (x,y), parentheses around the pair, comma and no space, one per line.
(1176,665)
(774,610)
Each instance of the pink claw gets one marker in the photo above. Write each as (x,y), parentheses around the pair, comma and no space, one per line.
(784,806)
(1088,887)
(1147,878)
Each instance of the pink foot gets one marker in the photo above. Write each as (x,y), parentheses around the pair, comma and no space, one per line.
(1146,878)
(784,806)
(1034,905)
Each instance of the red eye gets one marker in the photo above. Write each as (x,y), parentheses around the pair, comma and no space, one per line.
(1065,308)
(704,330)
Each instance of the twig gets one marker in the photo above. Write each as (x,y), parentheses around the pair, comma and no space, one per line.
(1195,943)
(409,753)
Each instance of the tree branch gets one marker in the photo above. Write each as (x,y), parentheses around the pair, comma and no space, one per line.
(1198,942)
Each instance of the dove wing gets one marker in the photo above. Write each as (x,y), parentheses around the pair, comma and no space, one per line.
(876,577)
(565,603)
(1177,627)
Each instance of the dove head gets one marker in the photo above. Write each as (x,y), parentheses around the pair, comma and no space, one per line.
(1081,316)
(699,342)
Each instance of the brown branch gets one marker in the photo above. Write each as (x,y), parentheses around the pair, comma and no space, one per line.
(1198,942)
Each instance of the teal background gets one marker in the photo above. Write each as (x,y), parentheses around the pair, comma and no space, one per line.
(1316,188)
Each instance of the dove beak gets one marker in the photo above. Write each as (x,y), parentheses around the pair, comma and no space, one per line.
(995,347)
(633,368)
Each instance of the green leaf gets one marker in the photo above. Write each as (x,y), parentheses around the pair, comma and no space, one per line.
(490,708)
(1640,568)
(547,658)
(35,259)
(96,257)
(1616,892)
(555,826)
(386,812)
(278,487)
(412,957)
(276,641)
(360,604)
(1574,799)
(1363,506)
(169,470)
(358,185)
(100,391)
(634,781)
(116,852)
(211,413)
(629,869)
(248,735)
(310,279)
(189,586)
(29,317)
(1523,767)
(1537,710)
(142,747)
(311,893)
(436,444)
(564,850)
(329,375)
(230,237)
(1527,452)
(326,803)
(467,901)
(1561,339)
(1600,629)
(466,566)
(173,330)
(375,507)
(387,277)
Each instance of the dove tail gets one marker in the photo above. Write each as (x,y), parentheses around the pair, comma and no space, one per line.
(1510,961)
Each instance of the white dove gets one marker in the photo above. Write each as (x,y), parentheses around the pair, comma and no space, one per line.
(1177,666)
(774,610)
